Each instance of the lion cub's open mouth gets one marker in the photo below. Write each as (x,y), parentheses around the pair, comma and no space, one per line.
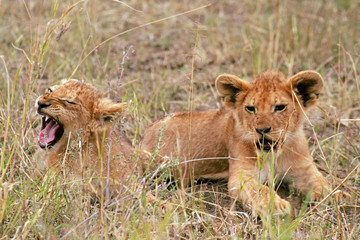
(266,144)
(51,132)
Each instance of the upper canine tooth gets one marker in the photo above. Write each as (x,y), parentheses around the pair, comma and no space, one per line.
(46,118)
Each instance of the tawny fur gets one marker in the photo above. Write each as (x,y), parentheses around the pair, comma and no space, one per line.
(201,140)
(87,118)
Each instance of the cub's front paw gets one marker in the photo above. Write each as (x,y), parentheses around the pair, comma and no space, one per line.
(281,206)
(319,196)
(278,207)
(162,206)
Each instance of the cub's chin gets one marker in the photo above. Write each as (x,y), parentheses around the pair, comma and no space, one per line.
(265,144)
(51,133)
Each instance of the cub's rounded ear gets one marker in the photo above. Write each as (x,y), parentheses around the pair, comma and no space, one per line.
(229,86)
(68,80)
(307,85)
(106,110)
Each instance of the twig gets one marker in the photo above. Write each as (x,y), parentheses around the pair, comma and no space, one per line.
(125,54)
(84,221)
(123,3)
(107,194)
(23,51)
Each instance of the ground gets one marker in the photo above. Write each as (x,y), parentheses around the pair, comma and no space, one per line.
(162,57)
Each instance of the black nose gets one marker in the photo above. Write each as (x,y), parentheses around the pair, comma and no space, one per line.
(263,130)
(42,104)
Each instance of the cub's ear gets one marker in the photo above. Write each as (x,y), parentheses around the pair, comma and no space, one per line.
(307,85)
(229,86)
(68,80)
(106,110)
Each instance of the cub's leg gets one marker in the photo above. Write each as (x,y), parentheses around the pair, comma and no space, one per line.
(306,177)
(243,185)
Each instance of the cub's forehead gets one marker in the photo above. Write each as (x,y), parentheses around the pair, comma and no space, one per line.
(75,88)
(268,98)
(268,87)
(268,81)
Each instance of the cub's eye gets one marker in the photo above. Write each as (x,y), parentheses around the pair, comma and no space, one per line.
(250,109)
(280,108)
(68,101)
(48,90)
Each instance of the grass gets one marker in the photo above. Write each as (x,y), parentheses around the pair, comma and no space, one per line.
(161,63)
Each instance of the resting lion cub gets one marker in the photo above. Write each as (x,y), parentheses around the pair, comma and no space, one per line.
(261,125)
(76,132)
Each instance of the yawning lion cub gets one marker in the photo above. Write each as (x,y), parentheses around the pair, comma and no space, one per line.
(259,129)
(77,132)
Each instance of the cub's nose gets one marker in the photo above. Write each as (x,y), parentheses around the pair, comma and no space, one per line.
(41,105)
(263,130)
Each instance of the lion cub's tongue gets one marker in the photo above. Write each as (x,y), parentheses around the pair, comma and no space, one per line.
(47,135)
